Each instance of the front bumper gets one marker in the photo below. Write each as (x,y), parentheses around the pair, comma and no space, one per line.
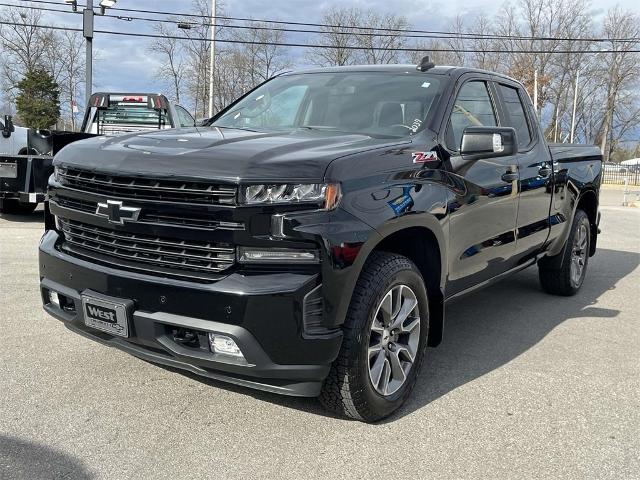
(261,311)
(23,197)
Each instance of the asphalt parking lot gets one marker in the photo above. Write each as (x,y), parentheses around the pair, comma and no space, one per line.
(525,385)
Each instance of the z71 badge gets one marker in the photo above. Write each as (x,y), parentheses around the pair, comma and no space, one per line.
(424,157)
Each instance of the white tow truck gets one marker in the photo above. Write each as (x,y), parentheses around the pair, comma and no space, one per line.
(26,154)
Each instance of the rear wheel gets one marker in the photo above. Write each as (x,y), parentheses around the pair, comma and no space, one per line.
(568,279)
(16,207)
(384,341)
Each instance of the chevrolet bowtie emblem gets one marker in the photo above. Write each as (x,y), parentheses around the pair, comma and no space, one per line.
(117,213)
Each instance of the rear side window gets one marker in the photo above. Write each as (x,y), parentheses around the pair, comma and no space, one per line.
(184,118)
(516,112)
(473,108)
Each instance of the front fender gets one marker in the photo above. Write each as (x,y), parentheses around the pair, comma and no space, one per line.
(371,213)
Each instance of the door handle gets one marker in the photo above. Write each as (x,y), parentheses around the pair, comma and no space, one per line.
(509,177)
(544,171)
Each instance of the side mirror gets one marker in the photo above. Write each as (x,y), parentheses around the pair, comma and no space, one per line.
(488,142)
(9,128)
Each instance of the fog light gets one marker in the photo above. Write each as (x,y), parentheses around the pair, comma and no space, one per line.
(54,299)
(225,345)
(273,255)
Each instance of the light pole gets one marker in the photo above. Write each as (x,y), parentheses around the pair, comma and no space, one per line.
(87,32)
(212,59)
(575,102)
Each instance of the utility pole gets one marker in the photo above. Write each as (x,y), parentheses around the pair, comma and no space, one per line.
(87,31)
(212,59)
(575,101)
(535,92)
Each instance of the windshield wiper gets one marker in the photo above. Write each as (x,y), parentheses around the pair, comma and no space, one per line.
(236,128)
(318,127)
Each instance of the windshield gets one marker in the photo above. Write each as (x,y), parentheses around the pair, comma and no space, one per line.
(372,103)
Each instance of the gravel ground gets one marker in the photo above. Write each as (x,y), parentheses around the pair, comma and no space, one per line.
(525,385)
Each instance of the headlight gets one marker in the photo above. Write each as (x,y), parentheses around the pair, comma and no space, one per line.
(327,195)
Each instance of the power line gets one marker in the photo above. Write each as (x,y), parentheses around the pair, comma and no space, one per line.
(461,36)
(352,47)
(39,8)
(34,25)
(403,32)
(310,45)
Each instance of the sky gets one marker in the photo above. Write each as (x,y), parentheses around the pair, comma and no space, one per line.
(125,64)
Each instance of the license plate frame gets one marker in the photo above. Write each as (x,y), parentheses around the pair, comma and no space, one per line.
(110,316)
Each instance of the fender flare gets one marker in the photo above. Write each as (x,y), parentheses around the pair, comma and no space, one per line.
(554,261)
(425,221)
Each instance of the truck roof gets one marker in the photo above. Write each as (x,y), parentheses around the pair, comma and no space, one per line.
(127,93)
(448,70)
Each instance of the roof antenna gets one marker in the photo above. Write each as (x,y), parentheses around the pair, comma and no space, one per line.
(425,64)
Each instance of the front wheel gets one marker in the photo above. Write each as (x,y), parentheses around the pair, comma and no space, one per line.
(384,342)
(568,279)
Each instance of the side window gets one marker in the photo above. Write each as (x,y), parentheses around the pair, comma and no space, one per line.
(517,116)
(472,108)
(184,118)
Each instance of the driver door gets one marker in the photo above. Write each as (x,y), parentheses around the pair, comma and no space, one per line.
(483,201)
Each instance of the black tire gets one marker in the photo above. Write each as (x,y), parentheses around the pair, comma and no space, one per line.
(14,207)
(348,389)
(560,281)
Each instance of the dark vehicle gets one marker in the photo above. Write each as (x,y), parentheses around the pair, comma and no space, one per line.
(308,240)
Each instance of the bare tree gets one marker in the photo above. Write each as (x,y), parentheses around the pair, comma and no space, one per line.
(337,38)
(22,42)
(73,76)
(172,68)
(456,42)
(622,69)
(27,46)
(381,47)
(260,56)
(438,51)
(197,51)
(67,70)
(484,56)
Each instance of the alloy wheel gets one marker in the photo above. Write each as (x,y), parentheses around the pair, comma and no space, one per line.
(579,254)
(394,340)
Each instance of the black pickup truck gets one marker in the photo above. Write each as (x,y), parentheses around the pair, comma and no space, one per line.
(307,240)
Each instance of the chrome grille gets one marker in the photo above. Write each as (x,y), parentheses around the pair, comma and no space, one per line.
(158,251)
(147,188)
(148,215)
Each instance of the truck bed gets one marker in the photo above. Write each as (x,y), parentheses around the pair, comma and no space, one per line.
(573,152)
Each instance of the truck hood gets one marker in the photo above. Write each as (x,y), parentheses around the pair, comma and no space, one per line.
(224,154)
